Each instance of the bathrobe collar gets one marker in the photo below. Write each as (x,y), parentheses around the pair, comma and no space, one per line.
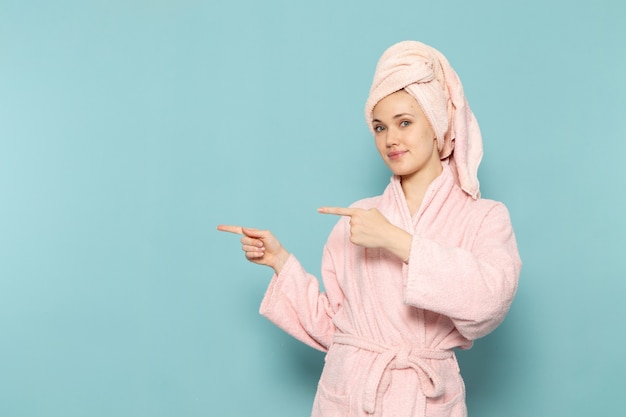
(434,198)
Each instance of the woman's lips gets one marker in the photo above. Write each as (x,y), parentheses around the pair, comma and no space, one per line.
(395,154)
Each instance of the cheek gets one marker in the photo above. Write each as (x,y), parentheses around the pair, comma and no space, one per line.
(430,133)
(427,138)
(430,146)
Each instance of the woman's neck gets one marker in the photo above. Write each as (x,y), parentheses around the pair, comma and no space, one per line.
(415,185)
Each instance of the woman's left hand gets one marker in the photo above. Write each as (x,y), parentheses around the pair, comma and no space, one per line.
(370,229)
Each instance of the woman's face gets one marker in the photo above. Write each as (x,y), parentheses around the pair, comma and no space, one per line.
(404,137)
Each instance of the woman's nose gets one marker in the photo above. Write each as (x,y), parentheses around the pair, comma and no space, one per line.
(392,138)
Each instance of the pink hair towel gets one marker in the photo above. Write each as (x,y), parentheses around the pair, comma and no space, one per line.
(427,75)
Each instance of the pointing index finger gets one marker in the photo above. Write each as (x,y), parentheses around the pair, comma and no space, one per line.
(340,211)
(238,230)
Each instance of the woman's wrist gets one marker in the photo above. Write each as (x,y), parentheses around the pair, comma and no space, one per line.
(400,244)
(281,259)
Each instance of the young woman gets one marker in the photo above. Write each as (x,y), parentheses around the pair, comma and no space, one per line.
(410,275)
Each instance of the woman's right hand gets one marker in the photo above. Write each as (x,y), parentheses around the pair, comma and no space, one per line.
(260,246)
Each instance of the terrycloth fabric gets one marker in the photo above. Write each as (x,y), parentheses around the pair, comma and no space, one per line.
(427,75)
(389,327)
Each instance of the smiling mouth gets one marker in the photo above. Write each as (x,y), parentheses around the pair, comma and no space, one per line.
(395,155)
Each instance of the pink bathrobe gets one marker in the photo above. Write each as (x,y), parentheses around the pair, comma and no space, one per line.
(389,327)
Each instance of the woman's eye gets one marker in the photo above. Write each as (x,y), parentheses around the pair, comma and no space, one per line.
(405,123)
(378,128)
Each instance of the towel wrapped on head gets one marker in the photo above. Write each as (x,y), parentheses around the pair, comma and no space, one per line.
(425,74)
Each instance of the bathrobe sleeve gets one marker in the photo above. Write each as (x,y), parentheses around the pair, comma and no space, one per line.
(294,302)
(473,287)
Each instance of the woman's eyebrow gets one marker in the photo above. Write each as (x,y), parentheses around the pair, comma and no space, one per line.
(394,117)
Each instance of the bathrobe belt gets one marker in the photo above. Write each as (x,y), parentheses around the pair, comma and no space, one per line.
(397,357)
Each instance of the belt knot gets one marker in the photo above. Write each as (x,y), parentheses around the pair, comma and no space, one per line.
(402,357)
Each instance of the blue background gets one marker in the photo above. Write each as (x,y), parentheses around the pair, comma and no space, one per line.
(130,129)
